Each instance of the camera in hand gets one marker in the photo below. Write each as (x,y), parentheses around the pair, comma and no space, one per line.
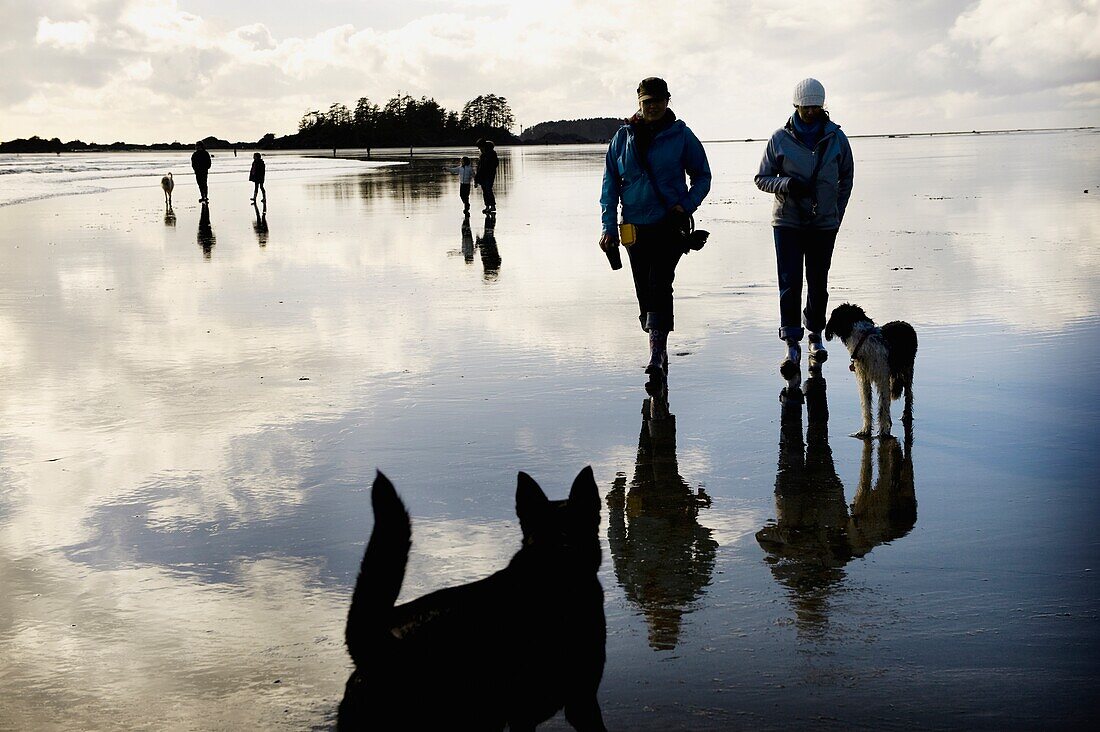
(692,239)
(695,240)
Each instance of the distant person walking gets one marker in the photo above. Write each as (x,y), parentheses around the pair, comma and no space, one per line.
(486,174)
(256,175)
(465,173)
(644,170)
(808,166)
(200,163)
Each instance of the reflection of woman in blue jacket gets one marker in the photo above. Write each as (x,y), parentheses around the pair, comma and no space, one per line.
(808,166)
(645,167)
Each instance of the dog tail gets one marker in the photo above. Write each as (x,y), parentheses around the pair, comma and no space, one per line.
(381,573)
(901,343)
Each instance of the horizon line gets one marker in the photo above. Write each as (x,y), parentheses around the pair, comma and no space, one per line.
(729,139)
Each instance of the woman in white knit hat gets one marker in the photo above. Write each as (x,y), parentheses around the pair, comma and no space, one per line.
(808,166)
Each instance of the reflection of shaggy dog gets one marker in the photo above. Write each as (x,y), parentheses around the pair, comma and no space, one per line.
(167,185)
(882,357)
(511,649)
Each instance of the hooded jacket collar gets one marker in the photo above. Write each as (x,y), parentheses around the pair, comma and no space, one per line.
(829,128)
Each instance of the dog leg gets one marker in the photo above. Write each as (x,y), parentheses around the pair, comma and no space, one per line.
(907,413)
(585,715)
(884,421)
(865,403)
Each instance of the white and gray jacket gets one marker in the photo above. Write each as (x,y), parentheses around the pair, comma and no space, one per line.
(786,157)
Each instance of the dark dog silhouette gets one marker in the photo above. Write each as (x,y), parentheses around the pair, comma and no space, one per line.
(511,649)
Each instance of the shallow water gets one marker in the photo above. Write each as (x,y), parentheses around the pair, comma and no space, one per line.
(193,413)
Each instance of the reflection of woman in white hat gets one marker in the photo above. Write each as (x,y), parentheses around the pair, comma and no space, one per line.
(808,166)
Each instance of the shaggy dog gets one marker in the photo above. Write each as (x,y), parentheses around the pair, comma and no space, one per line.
(882,357)
(166,185)
(511,649)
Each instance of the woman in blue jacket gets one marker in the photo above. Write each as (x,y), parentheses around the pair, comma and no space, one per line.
(808,166)
(644,171)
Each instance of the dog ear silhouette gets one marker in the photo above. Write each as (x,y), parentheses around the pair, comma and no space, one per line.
(584,497)
(381,572)
(531,503)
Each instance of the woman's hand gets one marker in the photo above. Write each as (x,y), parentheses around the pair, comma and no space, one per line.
(609,240)
(799,188)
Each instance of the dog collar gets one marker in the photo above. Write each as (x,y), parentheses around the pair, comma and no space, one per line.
(855,351)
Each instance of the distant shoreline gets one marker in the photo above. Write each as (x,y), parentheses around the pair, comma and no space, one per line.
(957,133)
(176,147)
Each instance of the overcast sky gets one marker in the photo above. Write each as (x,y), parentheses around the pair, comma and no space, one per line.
(161,70)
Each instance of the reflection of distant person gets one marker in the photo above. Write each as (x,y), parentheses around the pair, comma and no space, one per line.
(200,163)
(257,174)
(664,559)
(486,175)
(490,254)
(645,169)
(808,166)
(465,173)
(206,237)
(260,224)
(467,241)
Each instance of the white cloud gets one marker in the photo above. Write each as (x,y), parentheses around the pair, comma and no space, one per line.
(1057,40)
(887,66)
(71,35)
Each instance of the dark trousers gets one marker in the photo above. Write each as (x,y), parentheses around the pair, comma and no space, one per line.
(490,198)
(653,259)
(464,194)
(200,178)
(793,247)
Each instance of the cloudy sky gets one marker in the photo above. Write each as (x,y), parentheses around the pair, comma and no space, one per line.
(162,70)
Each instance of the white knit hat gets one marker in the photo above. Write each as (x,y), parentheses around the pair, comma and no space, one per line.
(809,93)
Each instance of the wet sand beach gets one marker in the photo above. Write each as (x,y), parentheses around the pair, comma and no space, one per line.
(194,407)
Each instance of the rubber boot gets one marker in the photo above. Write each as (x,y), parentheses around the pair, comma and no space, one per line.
(818,354)
(658,352)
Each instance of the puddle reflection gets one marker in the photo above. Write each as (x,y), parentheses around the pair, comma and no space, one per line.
(411,180)
(815,533)
(170,217)
(490,254)
(663,557)
(260,224)
(206,237)
(467,240)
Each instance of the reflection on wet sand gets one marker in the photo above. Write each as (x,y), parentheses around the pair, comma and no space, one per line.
(413,180)
(814,535)
(487,243)
(170,217)
(663,557)
(467,240)
(260,224)
(206,237)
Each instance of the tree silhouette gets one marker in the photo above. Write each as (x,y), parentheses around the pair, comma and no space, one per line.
(488,110)
(401,121)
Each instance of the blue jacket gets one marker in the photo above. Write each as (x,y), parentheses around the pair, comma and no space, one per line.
(673,152)
(787,157)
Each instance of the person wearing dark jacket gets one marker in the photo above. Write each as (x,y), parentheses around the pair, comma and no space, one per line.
(487,174)
(808,166)
(200,163)
(644,169)
(256,175)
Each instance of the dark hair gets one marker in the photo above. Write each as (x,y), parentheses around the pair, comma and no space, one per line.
(465,160)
